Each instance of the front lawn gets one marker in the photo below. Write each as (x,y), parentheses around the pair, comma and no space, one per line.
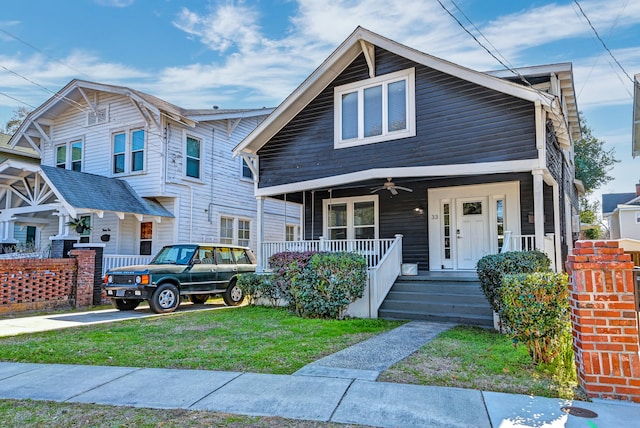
(472,357)
(247,339)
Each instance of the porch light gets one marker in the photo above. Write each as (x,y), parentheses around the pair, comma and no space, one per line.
(418,210)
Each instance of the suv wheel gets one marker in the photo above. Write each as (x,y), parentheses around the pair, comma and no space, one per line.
(234,295)
(198,299)
(125,304)
(165,299)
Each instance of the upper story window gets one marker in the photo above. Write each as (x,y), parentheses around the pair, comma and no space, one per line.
(193,157)
(69,156)
(374,110)
(246,171)
(128,151)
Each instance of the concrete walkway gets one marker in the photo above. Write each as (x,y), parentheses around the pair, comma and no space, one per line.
(339,388)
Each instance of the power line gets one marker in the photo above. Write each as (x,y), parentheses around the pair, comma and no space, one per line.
(601,41)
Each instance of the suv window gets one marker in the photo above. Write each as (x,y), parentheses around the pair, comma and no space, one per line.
(176,254)
(241,256)
(224,256)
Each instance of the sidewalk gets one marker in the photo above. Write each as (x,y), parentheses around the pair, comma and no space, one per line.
(339,388)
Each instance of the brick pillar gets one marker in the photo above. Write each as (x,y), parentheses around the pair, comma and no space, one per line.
(604,317)
(97,275)
(84,277)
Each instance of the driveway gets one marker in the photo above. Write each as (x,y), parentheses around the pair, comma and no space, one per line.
(21,325)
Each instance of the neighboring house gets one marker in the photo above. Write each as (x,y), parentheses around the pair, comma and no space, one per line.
(140,171)
(622,212)
(483,154)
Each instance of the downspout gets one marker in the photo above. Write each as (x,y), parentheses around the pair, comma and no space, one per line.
(213,180)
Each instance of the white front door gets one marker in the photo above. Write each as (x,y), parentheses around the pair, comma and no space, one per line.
(472,231)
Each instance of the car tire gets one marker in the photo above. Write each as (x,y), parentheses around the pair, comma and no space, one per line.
(165,299)
(198,299)
(125,304)
(234,294)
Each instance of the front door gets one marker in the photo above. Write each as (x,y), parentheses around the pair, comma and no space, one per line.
(472,231)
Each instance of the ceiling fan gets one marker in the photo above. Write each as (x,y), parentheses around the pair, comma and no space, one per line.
(391,187)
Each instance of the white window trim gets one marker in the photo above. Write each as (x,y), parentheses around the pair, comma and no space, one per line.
(68,147)
(128,150)
(235,224)
(408,75)
(242,177)
(200,159)
(350,203)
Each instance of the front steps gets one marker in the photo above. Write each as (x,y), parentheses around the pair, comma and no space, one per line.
(454,297)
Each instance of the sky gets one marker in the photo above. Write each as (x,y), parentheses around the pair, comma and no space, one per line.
(251,54)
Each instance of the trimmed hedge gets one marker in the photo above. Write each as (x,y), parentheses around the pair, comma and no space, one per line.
(314,285)
(535,311)
(492,268)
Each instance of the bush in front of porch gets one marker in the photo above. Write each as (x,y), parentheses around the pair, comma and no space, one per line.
(313,285)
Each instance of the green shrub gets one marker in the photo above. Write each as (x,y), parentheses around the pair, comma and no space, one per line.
(257,287)
(492,268)
(535,312)
(319,285)
(593,233)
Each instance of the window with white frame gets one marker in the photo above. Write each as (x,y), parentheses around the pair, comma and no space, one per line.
(373,110)
(637,217)
(351,218)
(246,171)
(69,155)
(244,232)
(128,149)
(193,155)
(226,230)
(291,232)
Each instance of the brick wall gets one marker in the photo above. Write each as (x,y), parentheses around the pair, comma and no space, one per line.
(29,284)
(604,316)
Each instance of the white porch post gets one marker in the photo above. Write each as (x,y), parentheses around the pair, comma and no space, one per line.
(556,222)
(8,227)
(260,233)
(538,207)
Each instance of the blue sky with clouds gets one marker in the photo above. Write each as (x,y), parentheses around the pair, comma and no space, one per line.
(234,54)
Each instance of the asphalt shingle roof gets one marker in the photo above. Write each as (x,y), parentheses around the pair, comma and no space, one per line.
(610,201)
(90,191)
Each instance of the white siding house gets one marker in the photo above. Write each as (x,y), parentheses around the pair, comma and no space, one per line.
(182,184)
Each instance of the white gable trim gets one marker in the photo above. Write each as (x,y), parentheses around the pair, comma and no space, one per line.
(416,171)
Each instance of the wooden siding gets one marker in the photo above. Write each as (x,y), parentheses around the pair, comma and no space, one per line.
(397,214)
(197,204)
(456,122)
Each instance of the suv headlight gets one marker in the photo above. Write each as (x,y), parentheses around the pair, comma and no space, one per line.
(110,279)
(142,279)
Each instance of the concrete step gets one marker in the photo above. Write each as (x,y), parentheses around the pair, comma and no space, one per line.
(479,320)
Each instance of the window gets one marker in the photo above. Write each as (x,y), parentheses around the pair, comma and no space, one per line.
(374,110)
(193,158)
(637,217)
(291,232)
(128,151)
(500,222)
(61,156)
(244,232)
(446,230)
(69,156)
(226,230)
(351,218)
(246,171)
(85,235)
(146,235)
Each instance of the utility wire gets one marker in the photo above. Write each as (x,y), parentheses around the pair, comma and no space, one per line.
(601,41)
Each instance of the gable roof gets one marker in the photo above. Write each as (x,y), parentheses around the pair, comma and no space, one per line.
(364,41)
(610,201)
(77,94)
(94,192)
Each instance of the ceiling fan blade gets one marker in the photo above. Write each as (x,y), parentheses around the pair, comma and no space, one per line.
(375,189)
(393,191)
(406,189)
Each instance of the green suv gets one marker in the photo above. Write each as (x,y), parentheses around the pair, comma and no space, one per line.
(194,270)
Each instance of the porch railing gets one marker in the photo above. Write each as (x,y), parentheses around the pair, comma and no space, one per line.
(113,261)
(372,249)
(528,242)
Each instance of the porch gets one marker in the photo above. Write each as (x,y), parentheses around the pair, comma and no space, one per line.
(384,264)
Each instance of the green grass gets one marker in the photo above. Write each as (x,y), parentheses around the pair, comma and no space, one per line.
(247,339)
(46,414)
(471,357)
